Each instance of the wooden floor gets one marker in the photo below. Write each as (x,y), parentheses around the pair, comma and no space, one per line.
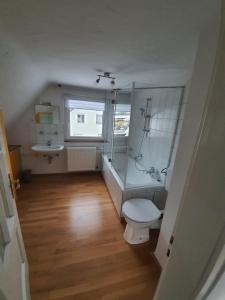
(74,242)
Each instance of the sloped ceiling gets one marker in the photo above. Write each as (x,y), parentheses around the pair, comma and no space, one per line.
(71,41)
(20,79)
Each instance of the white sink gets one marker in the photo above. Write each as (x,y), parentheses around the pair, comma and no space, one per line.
(44,149)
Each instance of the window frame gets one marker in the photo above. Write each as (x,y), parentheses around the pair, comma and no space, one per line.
(82,120)
(101,118)
(68,137)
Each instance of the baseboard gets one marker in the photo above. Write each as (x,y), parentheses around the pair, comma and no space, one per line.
(67,173)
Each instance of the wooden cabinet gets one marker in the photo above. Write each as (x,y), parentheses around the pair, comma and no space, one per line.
(6,152)
(14,276)
(15,159)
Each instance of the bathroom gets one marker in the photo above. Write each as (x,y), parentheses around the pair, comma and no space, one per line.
(143,158)
(141,128)
(136,161)
(99,136)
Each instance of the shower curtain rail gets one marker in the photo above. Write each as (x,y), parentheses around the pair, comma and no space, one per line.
(161,87)
(121,89)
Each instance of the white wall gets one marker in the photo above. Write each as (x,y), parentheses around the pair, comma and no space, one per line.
(157,144)
(20,82)
(197,96)
(55,95)
(199,235)
(218,293)
(214,278)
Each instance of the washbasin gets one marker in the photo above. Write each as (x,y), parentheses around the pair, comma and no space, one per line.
(45,149)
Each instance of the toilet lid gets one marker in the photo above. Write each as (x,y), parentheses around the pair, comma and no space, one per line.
(140,210)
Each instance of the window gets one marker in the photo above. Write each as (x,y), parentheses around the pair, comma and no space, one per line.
(84,118)
(122,119)
(80,118)
(98,119)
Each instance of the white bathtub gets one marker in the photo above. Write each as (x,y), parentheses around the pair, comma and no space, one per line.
(136,178)
(138,184)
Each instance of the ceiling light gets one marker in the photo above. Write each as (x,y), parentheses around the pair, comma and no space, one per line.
(106,75)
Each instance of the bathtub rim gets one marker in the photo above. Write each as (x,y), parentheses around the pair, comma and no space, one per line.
(121,184)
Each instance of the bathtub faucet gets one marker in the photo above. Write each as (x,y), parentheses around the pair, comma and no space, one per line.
(154,173)
(138,157)
(151,170)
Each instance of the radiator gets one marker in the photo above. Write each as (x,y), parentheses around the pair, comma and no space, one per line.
(81,158)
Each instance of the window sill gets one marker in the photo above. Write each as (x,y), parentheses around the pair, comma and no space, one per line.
(85,140)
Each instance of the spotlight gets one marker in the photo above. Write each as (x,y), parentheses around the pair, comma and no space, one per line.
(106,75)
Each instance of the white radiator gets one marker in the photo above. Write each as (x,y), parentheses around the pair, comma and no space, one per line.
(81,158)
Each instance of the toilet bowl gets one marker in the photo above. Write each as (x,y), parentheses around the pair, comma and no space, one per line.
(140,214)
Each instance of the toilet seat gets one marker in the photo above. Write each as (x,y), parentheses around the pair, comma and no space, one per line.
(140,210)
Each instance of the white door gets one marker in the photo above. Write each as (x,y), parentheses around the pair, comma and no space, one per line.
(199,234)
(14,282)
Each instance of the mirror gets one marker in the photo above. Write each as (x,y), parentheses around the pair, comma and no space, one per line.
(46,114)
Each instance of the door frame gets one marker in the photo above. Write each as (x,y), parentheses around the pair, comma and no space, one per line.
(10,224)
(206,281)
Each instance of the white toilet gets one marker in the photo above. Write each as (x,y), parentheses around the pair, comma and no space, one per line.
(139,214)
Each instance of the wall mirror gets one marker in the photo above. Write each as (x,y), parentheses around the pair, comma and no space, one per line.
(46,114)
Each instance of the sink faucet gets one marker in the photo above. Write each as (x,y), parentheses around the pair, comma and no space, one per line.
(49,142)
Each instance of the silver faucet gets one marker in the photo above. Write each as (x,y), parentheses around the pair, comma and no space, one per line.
(157,175)
(49,142)
(138,157)
(154,173)
(151,170)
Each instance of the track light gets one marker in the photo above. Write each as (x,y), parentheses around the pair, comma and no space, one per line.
(106,75)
